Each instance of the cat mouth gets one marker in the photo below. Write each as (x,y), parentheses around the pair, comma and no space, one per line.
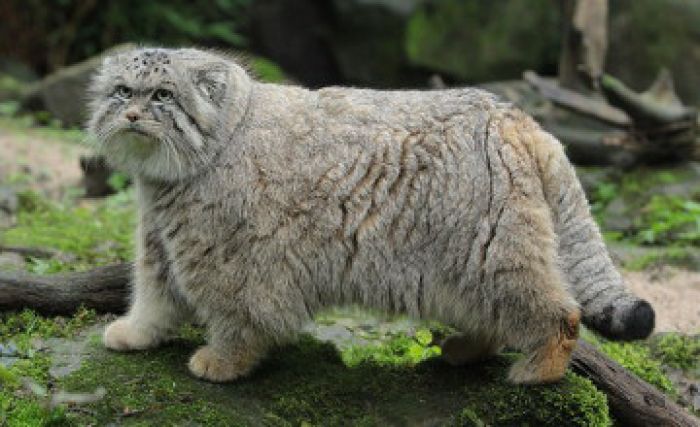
(137,130)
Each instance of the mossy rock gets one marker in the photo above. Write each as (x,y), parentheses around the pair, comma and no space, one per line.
(307,384)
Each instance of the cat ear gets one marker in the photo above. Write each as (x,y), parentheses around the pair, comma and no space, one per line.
(212,82)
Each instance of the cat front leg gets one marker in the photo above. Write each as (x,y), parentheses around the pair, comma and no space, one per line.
(256,306)
(228,356)
(154,312)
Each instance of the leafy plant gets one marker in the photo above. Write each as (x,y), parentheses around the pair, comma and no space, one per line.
(400,350)
(668,219)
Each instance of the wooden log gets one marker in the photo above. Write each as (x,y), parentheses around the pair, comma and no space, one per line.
(577,102)
(632,401)
(104,289)
(658,106)
(594,147)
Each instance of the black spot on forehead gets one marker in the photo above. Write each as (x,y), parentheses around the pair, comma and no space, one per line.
(147,62)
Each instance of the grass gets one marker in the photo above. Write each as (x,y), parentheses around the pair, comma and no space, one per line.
(38,125)
(89,235)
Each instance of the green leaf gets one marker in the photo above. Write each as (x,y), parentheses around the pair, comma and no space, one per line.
(424,337)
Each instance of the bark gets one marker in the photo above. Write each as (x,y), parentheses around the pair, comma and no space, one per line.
(632,401)
(104,289)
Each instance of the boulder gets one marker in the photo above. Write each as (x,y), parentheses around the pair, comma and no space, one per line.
(63,93)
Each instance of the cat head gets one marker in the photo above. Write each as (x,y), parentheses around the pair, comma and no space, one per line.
(164,114)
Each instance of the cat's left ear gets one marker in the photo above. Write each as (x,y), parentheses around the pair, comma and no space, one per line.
(211,82)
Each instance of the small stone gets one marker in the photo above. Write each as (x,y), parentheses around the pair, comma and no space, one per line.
(11,261)
(9,201)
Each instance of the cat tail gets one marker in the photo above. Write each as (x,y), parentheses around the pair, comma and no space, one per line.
(607,305)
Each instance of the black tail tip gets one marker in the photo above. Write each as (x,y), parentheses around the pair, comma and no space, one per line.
(631,322)
(638,322)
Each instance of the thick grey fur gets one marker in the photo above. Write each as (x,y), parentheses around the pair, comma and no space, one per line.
(261,204)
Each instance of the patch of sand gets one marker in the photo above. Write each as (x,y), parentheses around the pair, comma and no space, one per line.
(675,295)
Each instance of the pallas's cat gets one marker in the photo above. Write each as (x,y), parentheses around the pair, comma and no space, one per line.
(261,204)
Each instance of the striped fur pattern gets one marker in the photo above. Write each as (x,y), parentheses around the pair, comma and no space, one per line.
(261,204)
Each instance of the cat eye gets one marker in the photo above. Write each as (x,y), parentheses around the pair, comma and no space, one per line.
(123,92)
(163,95)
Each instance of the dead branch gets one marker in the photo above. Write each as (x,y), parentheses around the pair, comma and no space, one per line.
(577,102)
(658,106)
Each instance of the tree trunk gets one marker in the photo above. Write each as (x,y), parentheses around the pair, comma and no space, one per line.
(584,43)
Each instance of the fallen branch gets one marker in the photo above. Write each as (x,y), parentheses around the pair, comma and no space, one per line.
(104,289)
(658,106)
(632,401)
(577,102)
(30,252)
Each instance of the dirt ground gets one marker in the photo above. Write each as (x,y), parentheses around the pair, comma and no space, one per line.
(675,295)
(49,165)
(53,165)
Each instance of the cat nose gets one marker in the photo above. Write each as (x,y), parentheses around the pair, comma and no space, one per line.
(132,116)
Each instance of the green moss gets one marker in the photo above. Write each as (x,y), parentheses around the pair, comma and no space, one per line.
(25,325)
(14,413)
(638,359)
(93,235)
(678,351)
(308,384)
(17,406)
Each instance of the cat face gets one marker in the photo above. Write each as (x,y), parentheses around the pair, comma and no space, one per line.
(156,112)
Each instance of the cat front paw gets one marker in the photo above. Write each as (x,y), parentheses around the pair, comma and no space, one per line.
(123,335)
(211,366)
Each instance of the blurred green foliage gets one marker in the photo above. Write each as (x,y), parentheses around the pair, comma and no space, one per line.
(50,36)
(473,39)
